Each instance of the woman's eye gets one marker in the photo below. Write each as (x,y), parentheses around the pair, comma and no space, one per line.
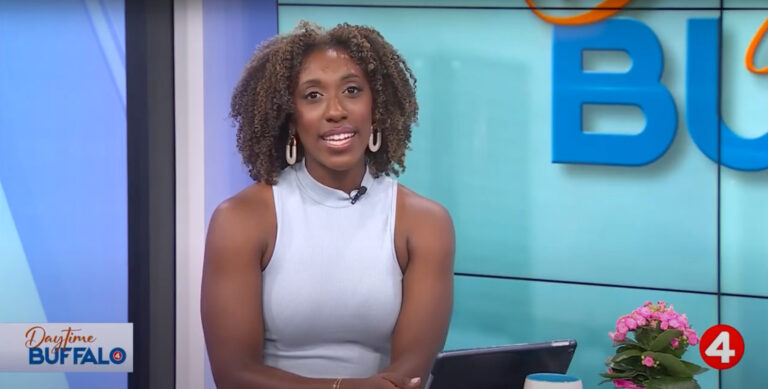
(352,90)
(312,95)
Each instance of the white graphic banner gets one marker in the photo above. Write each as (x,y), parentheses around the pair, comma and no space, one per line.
(76,347)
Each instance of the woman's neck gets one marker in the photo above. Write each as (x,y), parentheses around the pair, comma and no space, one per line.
(344,180)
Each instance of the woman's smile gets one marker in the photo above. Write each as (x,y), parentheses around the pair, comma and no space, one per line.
(339,138)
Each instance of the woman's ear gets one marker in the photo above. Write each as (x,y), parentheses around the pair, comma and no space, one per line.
(291,126)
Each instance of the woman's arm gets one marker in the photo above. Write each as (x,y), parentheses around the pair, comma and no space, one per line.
(240,232)
(427,285)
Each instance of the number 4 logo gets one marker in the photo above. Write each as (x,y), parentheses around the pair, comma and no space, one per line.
(721,347)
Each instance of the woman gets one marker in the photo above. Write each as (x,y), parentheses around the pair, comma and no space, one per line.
(326,273)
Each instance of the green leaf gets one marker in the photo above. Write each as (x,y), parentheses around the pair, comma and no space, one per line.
(632,363)
(679,351)
(626,354)
(663,339)
(674,365)
(672,383)
(694,368)
(629,347)
(614,375)
(631,343)
(644,336)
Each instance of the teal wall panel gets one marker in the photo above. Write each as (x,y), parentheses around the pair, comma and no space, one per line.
(489,312)
(744,195)
(572,6)
(748,316)
(482,149)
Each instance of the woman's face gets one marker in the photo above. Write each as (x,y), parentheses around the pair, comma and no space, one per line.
(333,110)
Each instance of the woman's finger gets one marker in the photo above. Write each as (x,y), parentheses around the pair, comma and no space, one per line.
(402,382)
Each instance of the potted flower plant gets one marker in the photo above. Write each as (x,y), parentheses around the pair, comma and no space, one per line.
(649,343)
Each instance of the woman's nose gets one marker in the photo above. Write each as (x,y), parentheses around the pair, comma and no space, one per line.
(335,110)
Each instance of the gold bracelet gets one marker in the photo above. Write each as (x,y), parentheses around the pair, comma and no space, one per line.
(337,384)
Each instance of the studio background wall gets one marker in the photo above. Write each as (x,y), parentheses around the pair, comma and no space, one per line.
(63,195)
(546,250)
(550,251)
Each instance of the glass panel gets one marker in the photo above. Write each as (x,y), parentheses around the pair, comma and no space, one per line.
(577,5)
(761,4)
(744,194)
(483,149)
(748,316)
(490,312)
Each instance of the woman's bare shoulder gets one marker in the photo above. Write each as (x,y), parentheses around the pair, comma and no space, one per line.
(253,198)
(427,229)
(418,207)
(248,214)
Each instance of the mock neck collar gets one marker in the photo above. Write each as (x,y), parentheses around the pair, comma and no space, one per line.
(328,196)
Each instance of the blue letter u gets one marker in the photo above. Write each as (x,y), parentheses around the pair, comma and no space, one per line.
(702,109)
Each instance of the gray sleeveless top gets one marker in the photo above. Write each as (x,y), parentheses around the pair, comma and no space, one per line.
(332,289)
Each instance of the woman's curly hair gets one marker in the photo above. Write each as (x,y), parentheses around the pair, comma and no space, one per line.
(262,103)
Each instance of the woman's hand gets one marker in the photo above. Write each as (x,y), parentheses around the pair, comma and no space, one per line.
(400,381)
(382,381)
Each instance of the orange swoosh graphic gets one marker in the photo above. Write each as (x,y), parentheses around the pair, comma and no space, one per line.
(609,8)
(749,58)
(601,11)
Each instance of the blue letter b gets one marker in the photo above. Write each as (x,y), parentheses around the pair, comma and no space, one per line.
(572,87)
(36,356)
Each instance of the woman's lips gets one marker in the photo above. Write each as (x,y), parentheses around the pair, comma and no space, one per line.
(338,140)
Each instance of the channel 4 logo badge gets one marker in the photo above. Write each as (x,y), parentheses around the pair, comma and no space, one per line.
(71,347)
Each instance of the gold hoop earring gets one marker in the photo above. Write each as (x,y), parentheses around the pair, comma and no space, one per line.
(374,145)
(290,151)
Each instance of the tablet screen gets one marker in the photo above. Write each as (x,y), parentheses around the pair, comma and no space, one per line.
(499,367)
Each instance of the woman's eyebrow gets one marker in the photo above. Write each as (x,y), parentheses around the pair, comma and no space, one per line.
(311,82)
(317,81)
(349,76)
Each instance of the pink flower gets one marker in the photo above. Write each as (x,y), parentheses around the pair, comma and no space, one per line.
(625,384)
(617,336)
(648,361)
(644,312)
(693,339)
(659,316)
(622,319)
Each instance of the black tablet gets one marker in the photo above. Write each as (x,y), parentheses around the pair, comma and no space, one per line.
(503,367)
